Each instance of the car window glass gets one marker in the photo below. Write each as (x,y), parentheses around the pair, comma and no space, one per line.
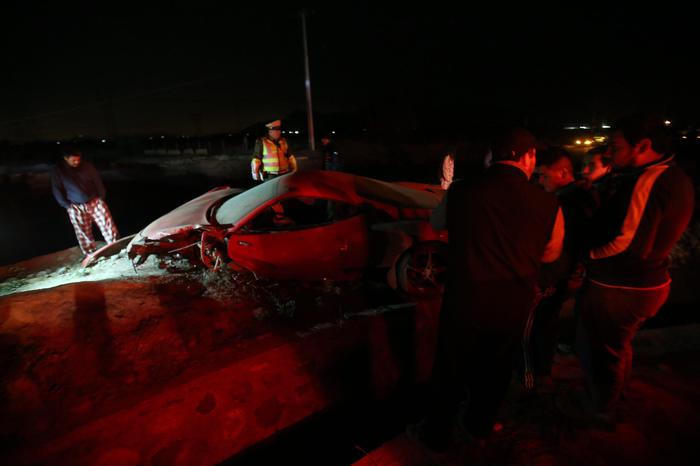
(300,212)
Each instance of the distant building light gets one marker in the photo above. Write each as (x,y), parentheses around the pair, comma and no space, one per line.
(296,132)
(570,127)
(583,127)
(162,137)
(599,138)
(588,142)
(605,126)
(578,141)
(104,140)
(684,137)
(667,123)
(58,142)
(332,132)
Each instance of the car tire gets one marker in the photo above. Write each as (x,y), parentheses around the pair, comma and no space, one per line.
(421,271)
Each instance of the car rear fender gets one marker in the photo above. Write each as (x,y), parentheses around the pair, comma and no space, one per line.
(403,235)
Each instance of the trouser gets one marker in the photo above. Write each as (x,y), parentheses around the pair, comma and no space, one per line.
(83,215)
(476,369)
(542,341)
(609,319)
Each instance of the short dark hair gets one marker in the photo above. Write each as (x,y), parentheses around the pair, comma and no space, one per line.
(513,144)
(68,150)
(636,127)
(552,155)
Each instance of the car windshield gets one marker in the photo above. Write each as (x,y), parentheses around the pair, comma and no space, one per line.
(233,210)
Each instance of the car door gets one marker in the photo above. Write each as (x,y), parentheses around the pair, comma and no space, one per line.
(303,238)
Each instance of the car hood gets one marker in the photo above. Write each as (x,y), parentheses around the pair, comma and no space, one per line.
(193,214)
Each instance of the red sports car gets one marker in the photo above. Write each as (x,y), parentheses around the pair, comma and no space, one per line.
(308,226)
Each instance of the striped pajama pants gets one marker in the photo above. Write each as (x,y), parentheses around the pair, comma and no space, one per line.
(83,215)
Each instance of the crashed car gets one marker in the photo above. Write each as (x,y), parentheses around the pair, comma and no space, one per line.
(309,226)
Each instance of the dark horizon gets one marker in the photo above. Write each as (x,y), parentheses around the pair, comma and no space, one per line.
(213,69)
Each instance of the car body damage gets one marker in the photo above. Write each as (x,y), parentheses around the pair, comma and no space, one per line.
(307,226)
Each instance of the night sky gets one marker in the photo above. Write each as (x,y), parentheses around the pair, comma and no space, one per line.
(210,67)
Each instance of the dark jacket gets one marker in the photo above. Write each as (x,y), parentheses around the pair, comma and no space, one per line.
(499,225)
(578,204)
(641,219)
(76,185)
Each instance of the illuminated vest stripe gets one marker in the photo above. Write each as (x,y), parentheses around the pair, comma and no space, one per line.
(275,158)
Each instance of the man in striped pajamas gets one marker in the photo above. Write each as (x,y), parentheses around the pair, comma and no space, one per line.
(78,188)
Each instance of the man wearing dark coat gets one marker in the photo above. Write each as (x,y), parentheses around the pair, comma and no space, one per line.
(501,228)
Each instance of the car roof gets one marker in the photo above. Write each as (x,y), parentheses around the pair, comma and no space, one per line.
(343,187)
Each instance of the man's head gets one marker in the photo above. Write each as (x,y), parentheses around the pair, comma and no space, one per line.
(517,146)
(72,157)
(596,164)
(555,168)
(274,129)
(638,140)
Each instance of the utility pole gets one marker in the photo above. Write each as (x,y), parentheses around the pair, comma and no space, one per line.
(307,83)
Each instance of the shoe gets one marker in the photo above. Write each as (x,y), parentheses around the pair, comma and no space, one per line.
(419,434)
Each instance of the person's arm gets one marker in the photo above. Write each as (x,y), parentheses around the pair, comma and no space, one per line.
(643,215)
(291,160)
(256,162)
(554,247)
(257,149)
(58,190)
(448,169)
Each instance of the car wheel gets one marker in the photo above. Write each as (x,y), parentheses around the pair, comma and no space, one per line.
(421,271)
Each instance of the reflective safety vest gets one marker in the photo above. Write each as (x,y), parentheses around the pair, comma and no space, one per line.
(275,157)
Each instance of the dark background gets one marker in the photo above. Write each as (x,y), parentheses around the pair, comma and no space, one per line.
(116,70)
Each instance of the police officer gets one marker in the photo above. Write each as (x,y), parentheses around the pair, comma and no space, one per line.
(271,157)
